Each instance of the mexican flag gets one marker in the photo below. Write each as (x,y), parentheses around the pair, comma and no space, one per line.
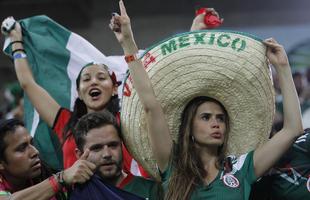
(56,56)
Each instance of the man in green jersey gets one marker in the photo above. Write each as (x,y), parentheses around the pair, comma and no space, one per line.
(290,178)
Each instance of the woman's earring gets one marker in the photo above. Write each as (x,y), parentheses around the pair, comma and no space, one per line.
(193,139)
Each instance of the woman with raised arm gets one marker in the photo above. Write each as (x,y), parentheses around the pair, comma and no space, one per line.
(195,167)
(97,90)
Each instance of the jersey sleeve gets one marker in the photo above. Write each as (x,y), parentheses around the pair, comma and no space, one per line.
(244,165)
(61,120)
(3,188)
(307,141)
(303,142)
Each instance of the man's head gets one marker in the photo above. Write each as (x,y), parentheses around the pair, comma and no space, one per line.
(19,159)
(100,133)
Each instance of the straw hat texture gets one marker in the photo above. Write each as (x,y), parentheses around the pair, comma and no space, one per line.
(228,66)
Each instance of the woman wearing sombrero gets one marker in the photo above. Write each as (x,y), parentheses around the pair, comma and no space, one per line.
(196,166)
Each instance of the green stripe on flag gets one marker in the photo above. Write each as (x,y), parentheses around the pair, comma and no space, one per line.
(45,43)
(45,46)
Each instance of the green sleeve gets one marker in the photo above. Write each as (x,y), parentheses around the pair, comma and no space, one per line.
(244,165)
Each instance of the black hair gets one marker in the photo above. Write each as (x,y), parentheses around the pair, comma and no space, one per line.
(80,108)
(9,126)
(91,121)
(6,127)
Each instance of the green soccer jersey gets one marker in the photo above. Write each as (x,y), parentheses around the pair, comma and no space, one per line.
(235,185)
(140,186)
(291,177)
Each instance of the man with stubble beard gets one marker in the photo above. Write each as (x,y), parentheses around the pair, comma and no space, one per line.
(100,133)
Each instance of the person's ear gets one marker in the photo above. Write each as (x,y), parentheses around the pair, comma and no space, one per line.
(115,90)
(78,153)
(2,165)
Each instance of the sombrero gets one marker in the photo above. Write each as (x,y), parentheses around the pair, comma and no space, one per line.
(228,66)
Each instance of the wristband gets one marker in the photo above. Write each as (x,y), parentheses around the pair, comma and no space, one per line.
(54,184)
(17,41)
(16,50)
(19,55)
(130,58)
(60,178)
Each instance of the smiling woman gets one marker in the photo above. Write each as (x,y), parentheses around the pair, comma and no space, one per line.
(96,86)
(97,90)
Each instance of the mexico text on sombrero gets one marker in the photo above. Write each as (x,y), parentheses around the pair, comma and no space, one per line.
(217,39)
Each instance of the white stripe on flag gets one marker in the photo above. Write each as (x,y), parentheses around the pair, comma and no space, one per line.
(134,168)
(7,41)
(81,53)
(35,122)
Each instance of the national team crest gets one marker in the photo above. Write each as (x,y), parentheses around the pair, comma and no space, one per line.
(308,184)
(231,181)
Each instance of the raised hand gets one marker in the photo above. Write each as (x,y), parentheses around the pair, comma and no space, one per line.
(120,24)
(14,34)
(198,22)
(276,54)
(80,171)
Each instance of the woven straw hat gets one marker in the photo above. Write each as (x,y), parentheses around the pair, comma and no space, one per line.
(228,66)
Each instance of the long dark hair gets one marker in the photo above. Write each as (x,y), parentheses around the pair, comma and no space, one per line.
(80,107)
(189,172)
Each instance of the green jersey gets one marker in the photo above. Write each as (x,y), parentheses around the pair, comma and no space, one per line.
(234,185)
(290,178)
(140,186)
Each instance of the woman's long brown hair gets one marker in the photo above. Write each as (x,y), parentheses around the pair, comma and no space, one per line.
(188,171)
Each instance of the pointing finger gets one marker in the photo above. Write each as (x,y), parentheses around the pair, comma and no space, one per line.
(122,8)
(85,155)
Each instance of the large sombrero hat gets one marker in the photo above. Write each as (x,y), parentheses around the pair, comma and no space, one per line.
(228,66)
